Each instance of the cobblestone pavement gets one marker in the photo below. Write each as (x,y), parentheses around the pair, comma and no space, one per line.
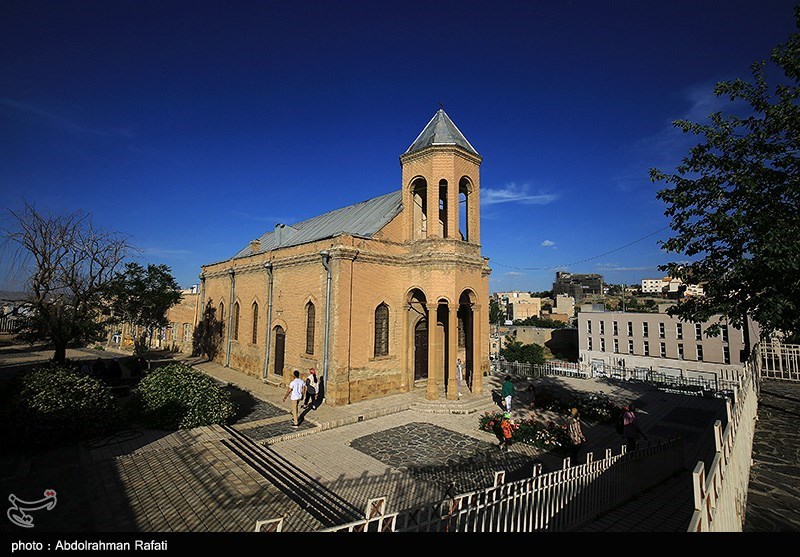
(431,453)
(773,496)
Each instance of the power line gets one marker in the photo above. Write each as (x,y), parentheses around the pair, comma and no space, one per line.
(552,267)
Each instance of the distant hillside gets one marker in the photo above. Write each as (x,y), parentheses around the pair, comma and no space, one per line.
(12,296)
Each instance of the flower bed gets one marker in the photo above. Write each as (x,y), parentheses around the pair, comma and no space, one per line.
(547,436)
(594,406)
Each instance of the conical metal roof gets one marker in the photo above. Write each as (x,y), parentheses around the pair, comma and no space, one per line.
(440,131)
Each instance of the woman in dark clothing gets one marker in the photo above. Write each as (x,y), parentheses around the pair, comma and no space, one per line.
(576,436)
(630,428)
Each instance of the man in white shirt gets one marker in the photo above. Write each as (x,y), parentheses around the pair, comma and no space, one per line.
(297,388)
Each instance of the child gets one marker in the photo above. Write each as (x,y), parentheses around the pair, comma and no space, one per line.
(506,428)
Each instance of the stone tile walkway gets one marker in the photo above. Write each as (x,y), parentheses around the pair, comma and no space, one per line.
(773,497)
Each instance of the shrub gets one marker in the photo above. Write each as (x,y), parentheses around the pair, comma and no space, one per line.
(54,405)
(594,406)
(543,436)
(178,397)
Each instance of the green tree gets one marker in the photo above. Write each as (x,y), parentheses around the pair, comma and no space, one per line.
(496,314)
(141,298)
(515,351)
(207,336)
(534,321)
(734,202)
(70,264)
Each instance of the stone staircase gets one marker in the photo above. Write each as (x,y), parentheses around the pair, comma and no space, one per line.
(306,492)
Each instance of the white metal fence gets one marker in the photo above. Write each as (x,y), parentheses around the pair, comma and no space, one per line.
(780,361)
(555,501)
(720,497)
(712,383)
(12,324)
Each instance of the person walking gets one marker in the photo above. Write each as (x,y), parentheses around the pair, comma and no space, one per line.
(507,392)
(312,386)
(576,436)
(532,394)
(297,389)
(459,374)
(506,432)
(630,428)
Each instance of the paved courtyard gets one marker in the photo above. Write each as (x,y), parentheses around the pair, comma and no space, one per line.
(414,452)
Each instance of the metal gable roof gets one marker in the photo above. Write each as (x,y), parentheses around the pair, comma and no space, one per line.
(361,219)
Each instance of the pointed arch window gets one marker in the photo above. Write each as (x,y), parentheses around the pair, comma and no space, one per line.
(255,322)
(222,316)
(209,311)
(382,330)
(236,321)
(311,314)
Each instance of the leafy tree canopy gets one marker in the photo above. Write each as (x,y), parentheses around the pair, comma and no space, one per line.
(141,297)
(515,351)
(496,314)
(540,322)
(734,202)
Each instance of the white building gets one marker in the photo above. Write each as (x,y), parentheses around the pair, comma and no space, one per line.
(668,285)
(658,342)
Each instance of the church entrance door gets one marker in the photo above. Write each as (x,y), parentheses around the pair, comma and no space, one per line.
(280,346)
(421,350)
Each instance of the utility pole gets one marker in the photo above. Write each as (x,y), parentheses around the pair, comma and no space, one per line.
(623,297)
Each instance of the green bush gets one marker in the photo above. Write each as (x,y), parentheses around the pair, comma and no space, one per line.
(178,397)
(547,436)
(596,407)
(54,405)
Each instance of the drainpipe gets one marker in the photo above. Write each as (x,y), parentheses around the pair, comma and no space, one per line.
(202,308)
(268,267)
(326,256)
(230,320)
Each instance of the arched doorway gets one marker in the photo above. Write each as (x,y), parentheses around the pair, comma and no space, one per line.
(466,336)
(417,335)
(421,350)
(280,349)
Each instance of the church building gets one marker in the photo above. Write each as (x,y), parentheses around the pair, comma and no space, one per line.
(380,297)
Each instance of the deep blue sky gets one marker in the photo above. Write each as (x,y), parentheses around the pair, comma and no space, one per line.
(197,126)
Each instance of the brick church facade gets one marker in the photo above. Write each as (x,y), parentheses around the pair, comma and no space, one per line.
(381,297)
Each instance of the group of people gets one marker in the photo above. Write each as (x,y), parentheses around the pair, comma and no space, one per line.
(307,391)
(627,423)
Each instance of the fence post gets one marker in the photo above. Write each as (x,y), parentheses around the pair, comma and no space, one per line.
(699,484)
(718,436)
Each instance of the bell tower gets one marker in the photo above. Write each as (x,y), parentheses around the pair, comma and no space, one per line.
(441,184)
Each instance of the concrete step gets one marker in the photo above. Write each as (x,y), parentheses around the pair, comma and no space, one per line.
(308,493)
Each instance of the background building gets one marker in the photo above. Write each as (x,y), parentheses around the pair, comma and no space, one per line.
(519,305)
(658,342)
(577,285)
(563,308)
(668,285)
(183,318)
